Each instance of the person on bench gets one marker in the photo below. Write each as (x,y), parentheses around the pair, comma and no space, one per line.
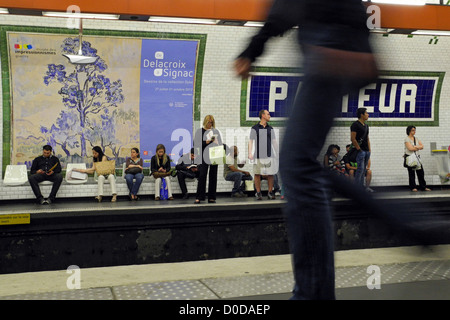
(45,168)
(231,172)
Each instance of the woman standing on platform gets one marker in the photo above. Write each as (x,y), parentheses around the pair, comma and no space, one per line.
(206,137)
(413,145)
(99,156)
(160,168)
(133,171)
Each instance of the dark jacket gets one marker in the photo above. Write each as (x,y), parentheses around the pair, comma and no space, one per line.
(45,164)
(328,23)
(155,167)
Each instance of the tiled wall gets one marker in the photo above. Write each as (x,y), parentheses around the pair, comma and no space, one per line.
(221,94)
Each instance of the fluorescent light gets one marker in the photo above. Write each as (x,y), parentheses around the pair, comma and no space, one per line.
(182,20)
(254,24)
(3,10)
(432,32)
(80,15)
(404,2)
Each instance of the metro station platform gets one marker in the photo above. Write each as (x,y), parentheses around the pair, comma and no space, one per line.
(232,249)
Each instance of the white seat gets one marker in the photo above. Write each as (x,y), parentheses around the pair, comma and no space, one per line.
(70,167)
(123,170)
(15,175)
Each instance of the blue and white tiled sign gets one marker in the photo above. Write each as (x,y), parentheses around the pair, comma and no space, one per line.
(395,97)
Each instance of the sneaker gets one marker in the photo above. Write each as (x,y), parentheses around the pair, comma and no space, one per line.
(186,196)
(243,195)
(369,190)
(42,201)
(271,196)
(259,196)
(236,195)
(49,200)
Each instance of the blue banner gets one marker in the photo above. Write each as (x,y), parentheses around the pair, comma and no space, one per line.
(167,96)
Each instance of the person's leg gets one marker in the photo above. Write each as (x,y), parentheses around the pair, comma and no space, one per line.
(139,177)
(101,181)
(112,182)
(157,188)
(412,179)
(421,177)
(360,168)
(169,188)
(201,186)
(236,177)
(212,183)
(182,182)
(57,179)
(34,183)
(129,179)
(308,210)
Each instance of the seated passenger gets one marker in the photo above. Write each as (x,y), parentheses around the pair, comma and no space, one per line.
(133,171)
(45,168)
(332,159)
(231,172)
(187,168)
(160,169)
(351,166)
(99,156)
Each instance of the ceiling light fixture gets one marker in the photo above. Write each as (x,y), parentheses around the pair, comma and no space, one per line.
(182,20)
(81,15)
(402,2)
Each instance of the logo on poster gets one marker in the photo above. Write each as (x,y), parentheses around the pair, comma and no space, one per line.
(24,46)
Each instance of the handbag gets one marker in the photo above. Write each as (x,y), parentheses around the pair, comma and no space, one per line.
(133,170)
(413,161)
(105,168)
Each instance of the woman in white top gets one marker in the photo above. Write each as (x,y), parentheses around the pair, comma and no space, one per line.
(98,155)
(413,144)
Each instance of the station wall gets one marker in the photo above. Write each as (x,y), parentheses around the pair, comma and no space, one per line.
(221,95)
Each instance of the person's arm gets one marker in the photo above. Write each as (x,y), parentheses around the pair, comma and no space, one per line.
(368,143)
(153,166)
(420,145)
(167,166)
(57,169)
(34,166)
(353,139)
(282,16)
(250,149)
(410,147)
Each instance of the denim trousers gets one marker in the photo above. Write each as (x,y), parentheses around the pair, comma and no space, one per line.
(362,160)
(237,177)
(134,186)
(308,189)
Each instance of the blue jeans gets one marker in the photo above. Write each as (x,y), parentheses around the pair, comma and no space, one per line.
(362,160)
(237,177)
(307,184)
(134,186)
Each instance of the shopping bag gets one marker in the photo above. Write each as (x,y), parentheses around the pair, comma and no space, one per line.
(249,186)
(217,155)
(413,161)
(163,193)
